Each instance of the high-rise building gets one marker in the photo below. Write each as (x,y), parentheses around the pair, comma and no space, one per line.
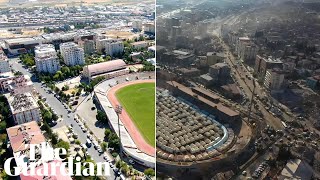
(274,79)
(72,54)
(246,49)
(88,46)
(109,46)
(262,64)
(46,58)
(114,48)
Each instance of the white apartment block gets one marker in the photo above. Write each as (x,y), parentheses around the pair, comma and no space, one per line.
(114,48)
(72,54)
(24,108)
(274,80)
(4,64)
(88,46)
(101,44)
(248,52)
(46,58)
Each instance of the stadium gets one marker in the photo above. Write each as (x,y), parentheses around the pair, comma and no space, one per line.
(197,134)
(136,94)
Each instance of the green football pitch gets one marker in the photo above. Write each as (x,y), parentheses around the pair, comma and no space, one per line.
(139,102)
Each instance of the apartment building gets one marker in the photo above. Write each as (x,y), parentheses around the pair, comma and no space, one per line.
(262,64)
(88,46)
(72,54)
(46,58)
(114,48)
(274,79)
(24,108)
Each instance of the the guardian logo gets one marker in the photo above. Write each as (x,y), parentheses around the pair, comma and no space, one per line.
(51,161)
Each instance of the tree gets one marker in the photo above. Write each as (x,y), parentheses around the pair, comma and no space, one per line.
(78,142)
(79,92)
(63,144)
(101,116)
(18,73)
(65,88)
(104,146)
(47,116)
(114,141)
(149,172)
(107,132)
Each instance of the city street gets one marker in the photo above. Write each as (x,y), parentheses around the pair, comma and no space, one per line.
(58,107)
(240,78)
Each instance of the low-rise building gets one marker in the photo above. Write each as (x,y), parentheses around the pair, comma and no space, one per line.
(72,54)
(24,108)
(107,69)
(19,138)
(231,91)
(189,72)
(140,44)
(214,58)
(15,84)
(46,58)
(18,46)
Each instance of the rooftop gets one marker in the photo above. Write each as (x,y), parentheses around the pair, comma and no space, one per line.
(179,52)
(27,133)
(19,40)
(107,66)
(21,102)
(297,169)
(140,42)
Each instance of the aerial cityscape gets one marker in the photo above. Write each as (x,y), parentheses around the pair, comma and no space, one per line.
(159,89)
(72,76)
(237,89)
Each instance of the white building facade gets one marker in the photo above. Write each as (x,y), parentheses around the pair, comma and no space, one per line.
(24,108)
(114,48)
(274,80)
(46,58)
(72,54)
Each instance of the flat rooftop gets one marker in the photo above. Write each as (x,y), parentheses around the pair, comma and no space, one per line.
(219,106)
(19,40)
(27,133)
(21,102)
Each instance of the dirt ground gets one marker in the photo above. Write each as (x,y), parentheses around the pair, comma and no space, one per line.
(121,34)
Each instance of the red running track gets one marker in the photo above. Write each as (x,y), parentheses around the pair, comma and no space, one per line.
(126,120)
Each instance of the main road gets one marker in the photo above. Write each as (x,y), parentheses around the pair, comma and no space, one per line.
(241,72)
(58,107)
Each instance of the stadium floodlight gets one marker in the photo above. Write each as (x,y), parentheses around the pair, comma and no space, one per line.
(118,111)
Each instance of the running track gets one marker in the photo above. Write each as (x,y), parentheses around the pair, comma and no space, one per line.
(125,119)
